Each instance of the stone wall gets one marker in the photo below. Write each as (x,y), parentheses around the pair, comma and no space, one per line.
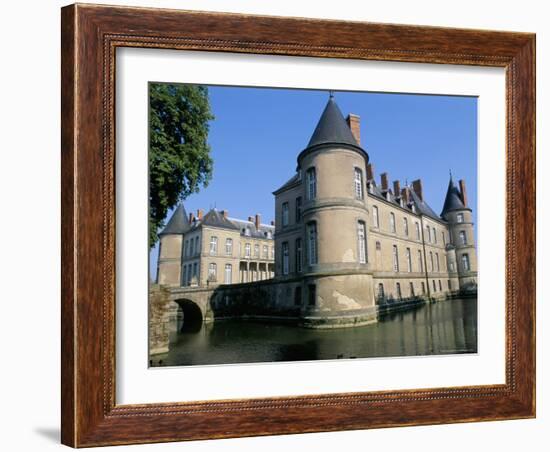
(159,308)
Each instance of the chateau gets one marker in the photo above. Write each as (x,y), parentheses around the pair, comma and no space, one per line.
(342,242)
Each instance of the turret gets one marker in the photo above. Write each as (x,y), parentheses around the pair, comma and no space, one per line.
(461,230)
(170,248)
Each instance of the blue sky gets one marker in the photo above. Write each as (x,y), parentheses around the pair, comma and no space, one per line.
(257,134)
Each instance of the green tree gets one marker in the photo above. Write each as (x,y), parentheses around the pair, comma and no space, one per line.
(179,155)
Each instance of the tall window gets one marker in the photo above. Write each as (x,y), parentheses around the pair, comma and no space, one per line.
(417,227)
(195,270)
(265,252)
(423,287)
(409,262)
(228,247)
(311,183)
(228,274)
(298,209)
(285,258)
(186,248)
(256,251)
(311,294)
(361,242)
(298,296)
(465,262)
(440,287)
(213,245)
(358,183)
(312,243)
(247,250)
(431,261)
(184,276)
(462,235)
(460,218)
(375,220)
(285,214)
(428,233)
(433,285)
(443,238)
(406,226)
(272,252)
(395,259)
(299,255)
(398,290)
(197,247)
(437,261)
(212,272)
(380,290)
(434,235)
(392,222)
(191,243)
(411,289)
(420,261)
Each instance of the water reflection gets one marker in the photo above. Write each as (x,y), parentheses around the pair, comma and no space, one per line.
(441,328)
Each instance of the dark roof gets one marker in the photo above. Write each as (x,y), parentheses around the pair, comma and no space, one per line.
(216,219)
(421,207)
(178,223)
(453,199)
(332,128)
(261,232)
(289,183)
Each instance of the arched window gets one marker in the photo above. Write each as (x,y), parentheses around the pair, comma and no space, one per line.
(361,242)
(392,222)
(417,227)
(420,264)
(431,262)
(358,183)
(428,233)
(437,261)
(312,243)
(398,290)
(406,226)
(311,178)
(409,261)
(434,235)
(380,290)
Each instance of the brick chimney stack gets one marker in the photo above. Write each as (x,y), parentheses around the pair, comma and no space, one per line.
(405,195)
(200,213)
(225,214)
(370,171)
(354,123)
(463,195)
(384,181)
(257,221)
(396,188)
(417,187)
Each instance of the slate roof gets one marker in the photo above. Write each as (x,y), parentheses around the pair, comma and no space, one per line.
(178,223)
(453,199)
(332,128)
(289,183)
(215,219)
(261,232)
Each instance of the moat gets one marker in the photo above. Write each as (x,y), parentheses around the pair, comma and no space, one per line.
(445,327)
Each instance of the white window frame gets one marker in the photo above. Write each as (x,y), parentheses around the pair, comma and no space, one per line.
(465,259)
(247,250)
(213,245)
(406,226)
(285,214)
(213,270)
(311,183)
(286,258)
(312,234)
(375,217)
(460,218)
(229,247)
(395,259)
(393,228)
(299,255)
(358,183)
(463,237)
(257,250)
(409,260)
(417,227)
(362,241)
(228,274)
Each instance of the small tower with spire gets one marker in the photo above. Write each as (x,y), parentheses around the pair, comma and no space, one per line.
(171,247)
(461,251)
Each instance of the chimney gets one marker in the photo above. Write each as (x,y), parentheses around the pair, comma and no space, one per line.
(417,187)
(225,214)
(384,180)
(257,221)
(396,188)
(191,217)
(199,214)
(463,195)
(405,195)
(251,219)
(354,123)
(370,171)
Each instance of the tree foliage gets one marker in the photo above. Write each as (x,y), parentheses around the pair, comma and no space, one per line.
(179,155)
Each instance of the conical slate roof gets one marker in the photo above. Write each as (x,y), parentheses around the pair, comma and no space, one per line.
(332,128)
(178,223)
(453,200)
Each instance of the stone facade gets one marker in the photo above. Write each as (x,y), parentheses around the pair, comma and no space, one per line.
(342,243)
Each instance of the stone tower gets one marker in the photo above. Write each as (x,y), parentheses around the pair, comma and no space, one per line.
(332,168)
(461,248)
(170,251)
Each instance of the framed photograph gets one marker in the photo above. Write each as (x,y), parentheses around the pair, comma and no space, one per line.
(281,225)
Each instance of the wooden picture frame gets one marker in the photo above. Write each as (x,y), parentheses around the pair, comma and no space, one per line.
(90,36)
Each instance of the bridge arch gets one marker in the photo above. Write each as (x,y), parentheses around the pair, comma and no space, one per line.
(190,316)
